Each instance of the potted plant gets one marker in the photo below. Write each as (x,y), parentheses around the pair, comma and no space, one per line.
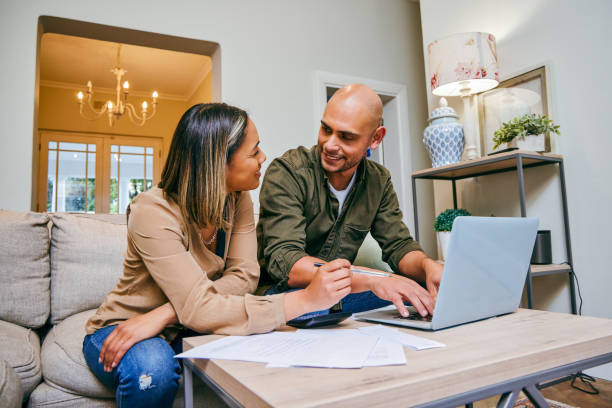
(444,224)
(525,132)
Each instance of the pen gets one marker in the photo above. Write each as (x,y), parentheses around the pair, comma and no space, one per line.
(371,273)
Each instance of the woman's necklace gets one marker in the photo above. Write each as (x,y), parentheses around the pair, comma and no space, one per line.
(211,240)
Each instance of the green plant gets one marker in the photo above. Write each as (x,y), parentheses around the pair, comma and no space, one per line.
(444,220)
(529,124)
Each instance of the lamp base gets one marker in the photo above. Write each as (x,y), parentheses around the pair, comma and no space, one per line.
(469,128)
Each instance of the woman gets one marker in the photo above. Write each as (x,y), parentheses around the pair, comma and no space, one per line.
(191,262)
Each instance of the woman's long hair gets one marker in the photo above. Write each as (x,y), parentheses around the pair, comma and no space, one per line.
(194,174)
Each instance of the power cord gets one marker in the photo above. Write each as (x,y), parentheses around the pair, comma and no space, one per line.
(586,381)
(579,294)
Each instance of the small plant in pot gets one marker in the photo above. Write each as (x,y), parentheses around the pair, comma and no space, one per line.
(444,224)
(525,132)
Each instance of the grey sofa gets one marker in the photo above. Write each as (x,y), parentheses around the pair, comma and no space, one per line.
(55,270)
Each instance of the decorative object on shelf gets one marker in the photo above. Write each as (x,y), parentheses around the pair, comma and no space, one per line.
(463,65)
(520,95)
(542,252)
(443,137)
(525,132)
(444,224)
(117,109)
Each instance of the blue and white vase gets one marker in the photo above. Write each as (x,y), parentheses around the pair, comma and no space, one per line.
(443,137)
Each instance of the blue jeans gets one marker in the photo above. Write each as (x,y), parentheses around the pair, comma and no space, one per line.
(354,303)
(147,376)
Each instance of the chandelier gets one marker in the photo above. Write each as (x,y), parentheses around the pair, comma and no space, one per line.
(121,105)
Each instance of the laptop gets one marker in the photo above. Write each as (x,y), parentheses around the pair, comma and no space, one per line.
(484,274)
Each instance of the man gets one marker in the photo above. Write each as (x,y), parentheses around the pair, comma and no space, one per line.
(318,204)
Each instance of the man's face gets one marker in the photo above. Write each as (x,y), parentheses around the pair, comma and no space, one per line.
(345,134)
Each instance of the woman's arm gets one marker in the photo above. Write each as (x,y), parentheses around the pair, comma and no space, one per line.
(131,331)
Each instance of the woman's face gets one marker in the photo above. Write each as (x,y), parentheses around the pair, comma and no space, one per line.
(244,169)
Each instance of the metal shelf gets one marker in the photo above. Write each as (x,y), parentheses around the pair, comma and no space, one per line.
(516,160)
(551,269)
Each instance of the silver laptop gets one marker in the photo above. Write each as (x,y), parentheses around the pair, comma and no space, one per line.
(484,274)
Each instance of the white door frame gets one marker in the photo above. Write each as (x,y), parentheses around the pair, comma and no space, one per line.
(397,155)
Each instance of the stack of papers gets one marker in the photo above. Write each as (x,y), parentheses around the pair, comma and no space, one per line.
(330,348)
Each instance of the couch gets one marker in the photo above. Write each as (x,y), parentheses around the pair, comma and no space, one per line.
(55,270)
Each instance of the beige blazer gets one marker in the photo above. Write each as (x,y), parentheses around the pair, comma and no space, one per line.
(166,261)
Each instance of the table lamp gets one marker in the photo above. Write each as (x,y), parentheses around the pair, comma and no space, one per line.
(463,65)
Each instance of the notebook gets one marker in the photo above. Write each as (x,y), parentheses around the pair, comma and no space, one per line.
(484,274)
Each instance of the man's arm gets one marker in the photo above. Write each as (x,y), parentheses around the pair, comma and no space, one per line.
(281,231)
(405,256)
(304,270)
(418,266)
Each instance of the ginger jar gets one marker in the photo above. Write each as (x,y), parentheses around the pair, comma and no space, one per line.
(443,137)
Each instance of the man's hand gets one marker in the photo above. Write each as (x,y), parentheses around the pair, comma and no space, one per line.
(433,276)
(398,288)
(132,331)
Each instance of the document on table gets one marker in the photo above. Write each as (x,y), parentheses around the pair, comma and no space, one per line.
(338,348)
(384,353)
(281,349)
(405,339)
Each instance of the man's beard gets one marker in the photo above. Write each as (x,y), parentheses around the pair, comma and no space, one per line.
(346,166)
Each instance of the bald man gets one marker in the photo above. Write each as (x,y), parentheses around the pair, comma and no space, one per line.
(318,204)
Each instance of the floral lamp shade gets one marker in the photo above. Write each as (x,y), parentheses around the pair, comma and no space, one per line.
(463,64)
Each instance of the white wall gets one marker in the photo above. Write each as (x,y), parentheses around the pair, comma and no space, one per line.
(269,51)
(573,38)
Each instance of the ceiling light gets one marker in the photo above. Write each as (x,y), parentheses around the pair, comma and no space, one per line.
(121,106)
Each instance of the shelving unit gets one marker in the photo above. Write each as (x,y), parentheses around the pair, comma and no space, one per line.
(516,160)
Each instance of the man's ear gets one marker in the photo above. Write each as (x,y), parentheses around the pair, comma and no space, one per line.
(378,137)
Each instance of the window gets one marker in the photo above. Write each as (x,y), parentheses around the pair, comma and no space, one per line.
(102,173)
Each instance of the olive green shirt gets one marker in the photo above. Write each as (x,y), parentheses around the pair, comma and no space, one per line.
(299,215)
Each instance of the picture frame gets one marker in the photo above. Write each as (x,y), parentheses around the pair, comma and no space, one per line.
(515,96)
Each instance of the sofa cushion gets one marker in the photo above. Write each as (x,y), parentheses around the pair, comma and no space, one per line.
(20,347)
(24,268)
(370,255)
(49,397)
(86,261)
(11,392)
(64,365)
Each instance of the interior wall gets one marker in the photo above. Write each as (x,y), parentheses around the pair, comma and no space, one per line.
(570,37)
(269,51)
(203,94)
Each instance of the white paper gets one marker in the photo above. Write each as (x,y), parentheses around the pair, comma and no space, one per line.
(408,340)
(385,353)
(280,349)
(259,348)
(333,349)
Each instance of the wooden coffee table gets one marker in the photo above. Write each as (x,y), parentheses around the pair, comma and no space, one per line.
(503,355)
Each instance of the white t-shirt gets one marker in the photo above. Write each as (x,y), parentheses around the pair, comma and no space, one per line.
(341,194)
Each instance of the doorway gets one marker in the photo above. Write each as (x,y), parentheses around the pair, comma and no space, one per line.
(74,150)
(394,152)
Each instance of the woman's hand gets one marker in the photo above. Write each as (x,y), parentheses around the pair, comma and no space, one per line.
(132,331)
(331,282)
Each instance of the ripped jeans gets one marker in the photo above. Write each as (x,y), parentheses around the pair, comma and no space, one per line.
(147,376)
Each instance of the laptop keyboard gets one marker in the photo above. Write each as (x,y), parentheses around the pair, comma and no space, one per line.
(414,315)
(417,317)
